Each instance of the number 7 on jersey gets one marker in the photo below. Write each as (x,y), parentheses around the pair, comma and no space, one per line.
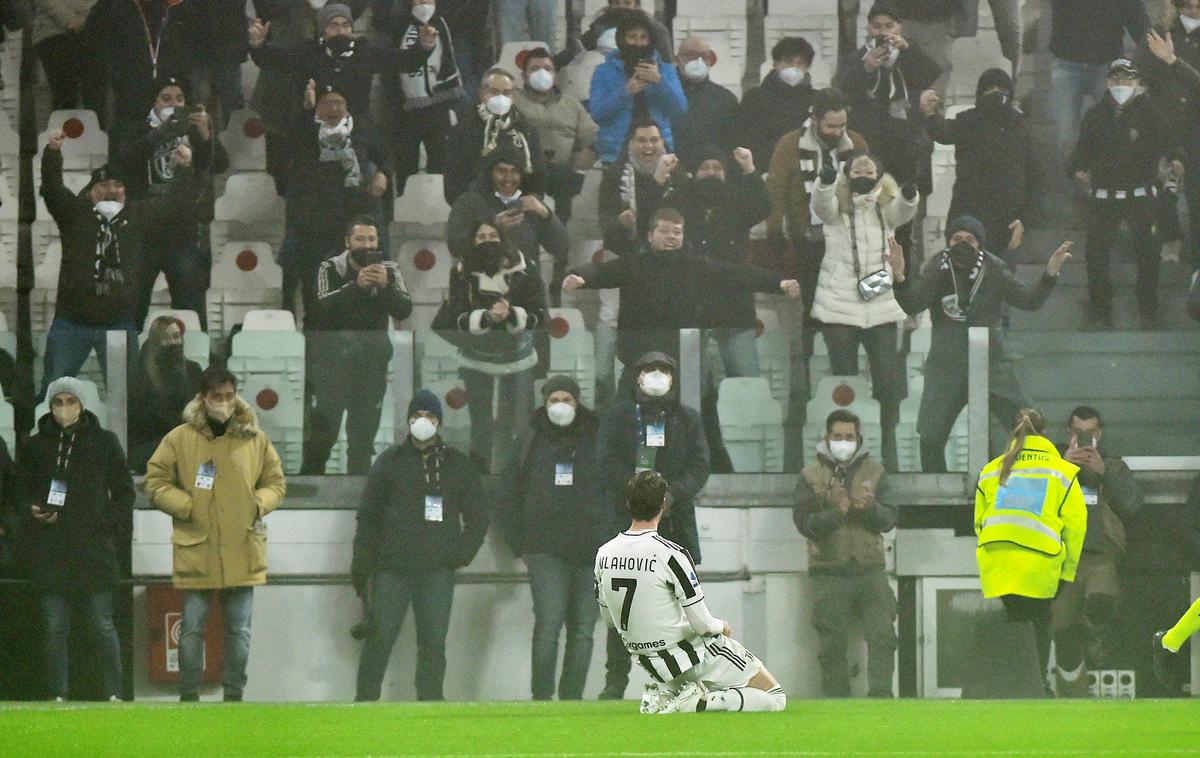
(625,584)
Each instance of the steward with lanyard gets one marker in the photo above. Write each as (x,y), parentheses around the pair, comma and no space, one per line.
(556,517)
(860,209)
(73,481)
(422,516)
(966,286)
(652,431)
(1031,520)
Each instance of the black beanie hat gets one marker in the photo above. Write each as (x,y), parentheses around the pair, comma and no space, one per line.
(708,152)
(560,383)
(505,153)
(967,224)
(994,77)
(425,400)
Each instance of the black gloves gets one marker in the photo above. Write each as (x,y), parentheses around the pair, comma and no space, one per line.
(828,174)
(909,190)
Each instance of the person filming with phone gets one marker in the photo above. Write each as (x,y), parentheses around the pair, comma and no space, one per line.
(349,349)
(1084,609)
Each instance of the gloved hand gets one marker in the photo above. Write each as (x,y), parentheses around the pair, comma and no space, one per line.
(828,174)
(909,190)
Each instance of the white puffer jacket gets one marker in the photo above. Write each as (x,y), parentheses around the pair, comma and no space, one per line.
(837,300)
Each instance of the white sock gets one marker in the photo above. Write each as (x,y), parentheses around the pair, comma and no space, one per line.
(744,699)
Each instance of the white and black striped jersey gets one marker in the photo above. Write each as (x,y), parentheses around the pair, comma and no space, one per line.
(648,587)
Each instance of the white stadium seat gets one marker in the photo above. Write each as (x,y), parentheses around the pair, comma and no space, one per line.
(751,425)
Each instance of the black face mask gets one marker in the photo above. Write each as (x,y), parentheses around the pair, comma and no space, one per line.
(634,54)
(169,354)
(366,257)
(710,190)
(338,45)
(861,185)
(992,103)
(963,255)
(485,257)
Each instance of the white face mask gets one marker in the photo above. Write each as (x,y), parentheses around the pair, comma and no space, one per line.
(842,450)
(561,414)
(218,411)
(109,208)
(792,76)
(424,11)
(1189,24)
(499,105)
(656,383)
(696,70)
(162,116)
(541,80)
(1121,93)
(422,429)
(607,42)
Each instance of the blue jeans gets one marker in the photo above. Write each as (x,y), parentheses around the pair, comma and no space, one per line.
(563,593)
(1072,83)
(97,606)
(432,596)
(739,352)
(236,605)
(68,345)
(522,20)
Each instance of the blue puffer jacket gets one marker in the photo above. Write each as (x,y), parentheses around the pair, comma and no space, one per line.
(612,107)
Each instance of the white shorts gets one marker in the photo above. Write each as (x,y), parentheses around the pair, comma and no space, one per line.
(726,664)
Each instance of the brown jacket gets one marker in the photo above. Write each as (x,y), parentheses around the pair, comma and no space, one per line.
(793,172)
(843,543)
(219,536)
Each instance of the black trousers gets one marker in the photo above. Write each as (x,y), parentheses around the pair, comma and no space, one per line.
(342,385)
(1104,221)
(887,375)
(412,128)
(1037,611)
(74,72)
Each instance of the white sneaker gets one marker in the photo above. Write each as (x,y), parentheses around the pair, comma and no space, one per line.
(652,698)
(1171,251)
(60,700)
(685,701)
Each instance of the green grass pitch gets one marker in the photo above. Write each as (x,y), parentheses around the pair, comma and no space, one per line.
(911,728)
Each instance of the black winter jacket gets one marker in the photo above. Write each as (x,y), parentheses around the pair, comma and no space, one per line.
(995,166)
(1091,31)
(464,148)
(719,227)
(768,112)
(567,521)
(683,462)
(393,534)
(1121,147)
(142,154)
(709,121)
(480,202)
(75,215)
(155,408)
(663,292)
(80,550)
(617,183)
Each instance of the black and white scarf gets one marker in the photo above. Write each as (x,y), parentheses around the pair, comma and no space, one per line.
(107,265)
(335,145)
(494,126)
(952,304)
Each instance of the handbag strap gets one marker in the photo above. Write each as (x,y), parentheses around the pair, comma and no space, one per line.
(854,241)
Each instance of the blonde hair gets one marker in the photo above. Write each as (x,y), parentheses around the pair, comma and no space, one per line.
(1029,421)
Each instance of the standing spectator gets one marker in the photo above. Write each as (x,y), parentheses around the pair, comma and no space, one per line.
(1024,559)
(1085,36)
(610,16)
(556,517)
(564,128)
(358,292)
(217,476)
(421,99)
(993,158)
(711,108)
(162,384)
(884,81)
(73,478)
(70,56)
(651,429)
(632,83)
(215,35)
(141,40)
(966,286)
(1086,608)
(798,159)
(1122,141)
(492,123)
(496,305)
(337,173)
(780,102)
(632,188)
(1179,95)
(842,508)
(929,24)
(144,153)
(499,196)
(102,241)
(664,289)
(521,20)
(860,210)
(719,207)
(421,518)
(468,21)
